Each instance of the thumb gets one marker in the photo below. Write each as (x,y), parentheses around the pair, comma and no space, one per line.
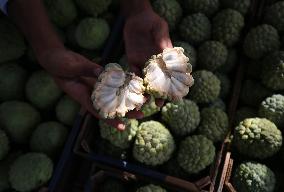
(88,68)
(161,36)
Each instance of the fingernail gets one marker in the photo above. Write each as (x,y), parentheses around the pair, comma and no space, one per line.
(121,127)
(98,71)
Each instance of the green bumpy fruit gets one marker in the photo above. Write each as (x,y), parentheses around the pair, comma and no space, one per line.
(230,63)
(67,110)
(253,93)
(151,188)
(274,15)
(92,33)
(195,28)
(218,103)
(12,43)
(189,51)
(254,177)
(273,71)
(225,85)
(244,113)
(195,153)
(206,88)
(212,55)
(208,7)
(30,171)
(93,7)
(183,116)
(214,124)
(272,108)
(154,144)
(257,138)
(112,185)
(241,6)
(62,12)
(260,41)
(150,107)
(42,91)
(227,26)
(12,82)
(18,119)
(172,168)
(48,138)
(118,138)
(4,145)
(170,10)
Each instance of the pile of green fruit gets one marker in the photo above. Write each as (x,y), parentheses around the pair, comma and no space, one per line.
(35,115)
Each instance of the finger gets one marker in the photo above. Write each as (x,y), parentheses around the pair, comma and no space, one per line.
(118,124)
(159,102)
(162,36)
(135,114)
(88,68)
(88,81)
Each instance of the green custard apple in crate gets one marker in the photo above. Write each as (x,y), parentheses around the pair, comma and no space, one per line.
(274,15)
(151,188)
(93,7)
(241,6)
(189,51)
(208,7)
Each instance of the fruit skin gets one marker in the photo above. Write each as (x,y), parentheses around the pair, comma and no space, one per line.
(253,177)
(151,188)
(93,7)
(272,108)
(189,51)
(227,26)
(170,10)
(241,6)
(225,85)
(214,124)
(4,145)
(30,171)
(257,138)
(112,185)
(244,113)
(91,33)
(212,55)
(12,44)
(274,15)
(62,13)
(195,153)
(230,63)
(183,116)
(18,119)
(12,81)
(67,110)
(150,108)
(42,91)
(154,144)
(208,7)
(260,41)
(118,138)
(195,28)
(48,138)
(206,88)
(273,71)
(218,103)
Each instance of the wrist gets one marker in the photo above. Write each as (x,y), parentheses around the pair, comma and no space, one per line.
(133,7)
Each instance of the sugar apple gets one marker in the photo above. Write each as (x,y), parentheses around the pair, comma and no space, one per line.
(273,71)
(12,44)
(189,51)
(168,74)
(253,93)
(30,171)
(93,7)
(42,91)
(244,113)
(206,88)
(241,6)
(121,139)
(257,138)
(227,26)
(214,124)
(231,62)
(195,153)
(272,108)
(172,168)
(212,55)
(92,33)
(260,41)
(253,177)
(218,103)
(195,28)
(48,138)
(4,145)
(67,110)
(18,119)
(170,10)
(208,7)
(116,92)
(183,116)
(154,144)
(150,107)
(112,185)
(12,81)
(151,188)
(62,12)
(274,15)
(225,85)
